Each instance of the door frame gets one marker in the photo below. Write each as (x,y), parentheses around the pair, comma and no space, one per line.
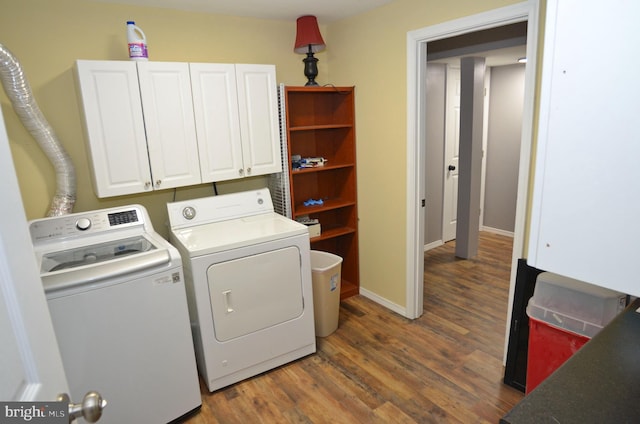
(416,111)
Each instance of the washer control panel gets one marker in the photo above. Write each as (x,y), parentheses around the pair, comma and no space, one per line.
(84,223)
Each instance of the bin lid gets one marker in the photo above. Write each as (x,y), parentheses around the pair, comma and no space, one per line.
(574,305)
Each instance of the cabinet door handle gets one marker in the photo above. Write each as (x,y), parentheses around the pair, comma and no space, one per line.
(158,182)
(248,171)
(147,185)
(241,171)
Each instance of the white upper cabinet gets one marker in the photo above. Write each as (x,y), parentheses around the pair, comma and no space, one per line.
(217,123)
(159,125)
(114,127)
(258,105)
(165,89)
(236,110)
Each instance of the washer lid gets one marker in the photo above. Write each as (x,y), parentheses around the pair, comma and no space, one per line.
(93,263)
(218,236)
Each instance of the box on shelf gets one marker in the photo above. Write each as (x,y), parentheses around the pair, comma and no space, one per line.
(312,224)
(298,162)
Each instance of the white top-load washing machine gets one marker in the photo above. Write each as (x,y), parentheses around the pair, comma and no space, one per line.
(248,277)
(116,294)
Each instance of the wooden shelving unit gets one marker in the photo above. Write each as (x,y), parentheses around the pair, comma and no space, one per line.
(320,123)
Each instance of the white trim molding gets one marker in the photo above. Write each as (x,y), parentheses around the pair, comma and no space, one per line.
(384,302)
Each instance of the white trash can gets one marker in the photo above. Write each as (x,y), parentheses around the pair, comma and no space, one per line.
(325,276)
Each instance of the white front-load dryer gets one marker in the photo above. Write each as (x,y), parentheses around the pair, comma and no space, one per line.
(248,278)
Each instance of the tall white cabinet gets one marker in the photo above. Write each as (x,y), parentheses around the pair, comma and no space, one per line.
(585,217)
(160,125)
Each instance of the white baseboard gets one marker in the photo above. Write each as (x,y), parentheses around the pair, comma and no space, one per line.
(433,245)
(384,302)
(497,231)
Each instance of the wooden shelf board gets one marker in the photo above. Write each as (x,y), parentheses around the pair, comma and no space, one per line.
(333,232)
(348,289)
(327,206)
(319,127)
(301,171)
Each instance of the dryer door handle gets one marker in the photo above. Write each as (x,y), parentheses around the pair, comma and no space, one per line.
(227,301)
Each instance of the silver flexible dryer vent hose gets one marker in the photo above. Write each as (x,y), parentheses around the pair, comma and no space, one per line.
(17,88)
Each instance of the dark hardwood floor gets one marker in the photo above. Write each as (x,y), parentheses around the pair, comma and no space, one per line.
(378,367)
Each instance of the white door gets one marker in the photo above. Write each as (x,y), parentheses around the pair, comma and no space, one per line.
(30,362)
(258,105)
(451,153)
(215,103)
(167,105)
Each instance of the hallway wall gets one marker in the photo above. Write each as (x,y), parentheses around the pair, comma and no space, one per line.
(506,99)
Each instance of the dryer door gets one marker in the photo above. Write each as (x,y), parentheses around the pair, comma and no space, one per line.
(255,292)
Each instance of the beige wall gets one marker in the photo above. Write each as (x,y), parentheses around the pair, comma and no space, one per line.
(368,51)
(48,36)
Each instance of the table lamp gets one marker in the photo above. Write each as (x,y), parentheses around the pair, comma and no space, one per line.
(309,41)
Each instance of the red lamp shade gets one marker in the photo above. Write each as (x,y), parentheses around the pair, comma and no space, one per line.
(308,34)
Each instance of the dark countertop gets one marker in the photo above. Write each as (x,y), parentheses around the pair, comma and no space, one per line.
(599,384)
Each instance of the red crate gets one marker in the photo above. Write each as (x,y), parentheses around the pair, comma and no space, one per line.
(549,347)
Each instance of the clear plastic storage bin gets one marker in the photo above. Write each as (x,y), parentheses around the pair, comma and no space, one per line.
(563,315)
(574,305)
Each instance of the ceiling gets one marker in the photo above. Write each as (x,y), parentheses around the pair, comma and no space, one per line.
(500,46)
(287,10)
(494,57)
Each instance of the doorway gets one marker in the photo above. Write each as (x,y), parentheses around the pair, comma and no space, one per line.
(416,68)
(501,48)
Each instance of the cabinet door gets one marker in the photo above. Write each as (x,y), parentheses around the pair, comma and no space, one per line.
(165,88)
(114,127)
(258,105)
(586,201)
(217,124)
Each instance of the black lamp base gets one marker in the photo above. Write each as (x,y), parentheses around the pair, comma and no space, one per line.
(310,68)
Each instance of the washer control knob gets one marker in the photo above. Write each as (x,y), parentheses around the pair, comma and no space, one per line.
(83,224)
(189,212)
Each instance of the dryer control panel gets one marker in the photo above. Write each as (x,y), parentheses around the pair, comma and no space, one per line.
(219,208)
